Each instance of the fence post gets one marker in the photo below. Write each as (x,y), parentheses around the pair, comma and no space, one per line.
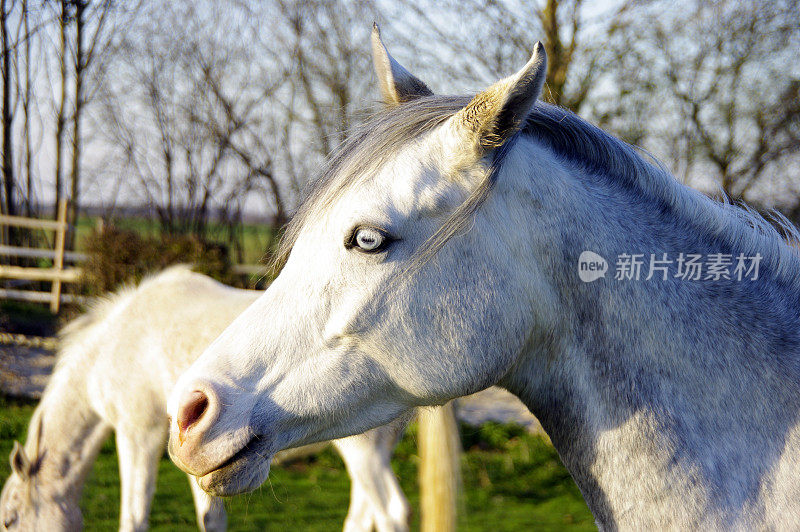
(58,260)
(440,468)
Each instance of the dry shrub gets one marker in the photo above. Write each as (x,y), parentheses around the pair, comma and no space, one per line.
(118,256)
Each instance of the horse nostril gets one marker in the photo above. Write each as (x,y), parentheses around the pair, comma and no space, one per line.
(192,410)
(9,522)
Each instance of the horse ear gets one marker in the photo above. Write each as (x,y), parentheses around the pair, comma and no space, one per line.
(19,461)
(397,84)
(497,113)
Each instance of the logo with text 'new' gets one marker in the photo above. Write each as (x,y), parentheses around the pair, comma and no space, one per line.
(591,266)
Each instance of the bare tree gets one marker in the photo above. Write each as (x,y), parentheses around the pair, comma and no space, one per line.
(24,47)
(26,109)
(91,40)
(9,183)
(61,105)
(186,113)
(16,34)
(563,24)
(323,47)
(717,83)
(498,37)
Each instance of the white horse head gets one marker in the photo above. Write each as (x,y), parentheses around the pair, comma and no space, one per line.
(441,253)
(26,503)
(377,309)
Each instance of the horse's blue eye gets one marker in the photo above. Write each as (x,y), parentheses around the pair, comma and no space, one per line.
(368,239)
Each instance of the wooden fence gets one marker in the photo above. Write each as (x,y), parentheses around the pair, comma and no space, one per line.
(57,274)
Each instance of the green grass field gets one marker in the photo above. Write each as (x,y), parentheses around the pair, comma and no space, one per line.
(512,481)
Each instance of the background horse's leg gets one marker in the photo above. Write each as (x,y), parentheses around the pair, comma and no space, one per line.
(360,517)
(138,454)
(210,510)
(368,460)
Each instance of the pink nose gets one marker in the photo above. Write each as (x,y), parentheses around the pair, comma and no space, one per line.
(194,426)
(193,407)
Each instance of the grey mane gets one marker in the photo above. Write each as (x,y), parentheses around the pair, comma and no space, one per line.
(574,141)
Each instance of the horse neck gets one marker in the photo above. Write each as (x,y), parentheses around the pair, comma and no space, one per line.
(71,433)
(640,384)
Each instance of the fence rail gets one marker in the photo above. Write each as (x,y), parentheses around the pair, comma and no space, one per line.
(59,274)
(56,275)
(63,275)
(28,253)
(38,297)
(32,223)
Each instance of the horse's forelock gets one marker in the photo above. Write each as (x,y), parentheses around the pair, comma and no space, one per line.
(369,147)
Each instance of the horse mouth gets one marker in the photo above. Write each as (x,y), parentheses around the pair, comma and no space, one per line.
(243,471)
(247,449)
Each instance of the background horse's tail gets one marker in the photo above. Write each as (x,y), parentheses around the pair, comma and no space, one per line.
(440,468)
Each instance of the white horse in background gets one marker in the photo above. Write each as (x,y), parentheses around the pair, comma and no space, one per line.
(442,252)
(115,368)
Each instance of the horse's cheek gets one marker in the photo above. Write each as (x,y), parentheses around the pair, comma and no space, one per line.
(488,339)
